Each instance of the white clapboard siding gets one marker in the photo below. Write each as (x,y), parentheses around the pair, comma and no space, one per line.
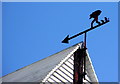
(55,68)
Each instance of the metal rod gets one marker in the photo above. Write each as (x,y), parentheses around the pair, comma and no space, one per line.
(80,70)
(85,40)
(84,52)
(78,67)
(88,30)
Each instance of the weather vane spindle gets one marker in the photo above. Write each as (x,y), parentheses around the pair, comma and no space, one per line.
(80,61)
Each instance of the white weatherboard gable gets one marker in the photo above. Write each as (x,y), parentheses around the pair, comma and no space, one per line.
(60,63)
(59,73)
(42,70)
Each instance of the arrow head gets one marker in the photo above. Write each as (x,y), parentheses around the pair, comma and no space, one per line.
(66,39)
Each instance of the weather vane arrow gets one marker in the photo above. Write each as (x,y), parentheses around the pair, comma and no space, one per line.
(93,15)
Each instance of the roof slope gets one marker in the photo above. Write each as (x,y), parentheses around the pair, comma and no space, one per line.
(39,71)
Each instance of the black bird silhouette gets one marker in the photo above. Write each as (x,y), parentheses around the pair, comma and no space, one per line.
(95,16)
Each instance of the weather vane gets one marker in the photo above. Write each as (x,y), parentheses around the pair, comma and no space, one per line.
(94,15)
(79,72)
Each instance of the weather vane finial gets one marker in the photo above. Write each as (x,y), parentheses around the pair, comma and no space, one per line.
(94,15)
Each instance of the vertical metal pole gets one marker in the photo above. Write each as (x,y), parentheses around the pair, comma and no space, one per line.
(85,55)
(78,67)
(75,76)
(79,62)
(85,40)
